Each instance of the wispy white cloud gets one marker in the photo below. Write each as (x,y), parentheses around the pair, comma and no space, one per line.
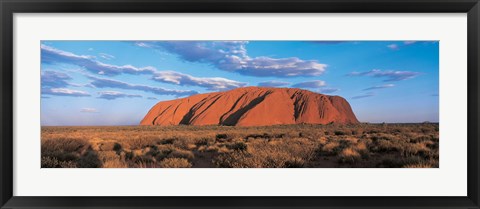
(406,43)
(54,79)
(111,95)
(212,83)
(310,84)
(232,56)
(274,83)
(142,44)
(393,46)
(380,87)
(53,55)
(106,56)
(111,83)
(65,92)
(390,75)
(50,54)
(89,110)
(328,90)
(361,96)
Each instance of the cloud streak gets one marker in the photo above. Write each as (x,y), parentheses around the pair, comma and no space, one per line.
(88,110)
(361,96)
(380,87)
(53,55)
(274,83)
(54,79)
(65,92)
(232,56)
(310,84)
(106,56)
(409,42)
(406,43)
(390,75)
(393,46)
(328,90)
(110,83)
(111,95)
(215,83)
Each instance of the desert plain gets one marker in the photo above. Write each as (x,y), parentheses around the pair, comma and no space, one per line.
(362,145)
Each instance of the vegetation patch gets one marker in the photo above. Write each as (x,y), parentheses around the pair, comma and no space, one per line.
(279,146)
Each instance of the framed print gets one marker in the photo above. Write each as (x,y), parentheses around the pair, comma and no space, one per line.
(266,104)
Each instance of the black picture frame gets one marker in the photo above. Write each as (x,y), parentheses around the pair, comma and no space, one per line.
(10,7)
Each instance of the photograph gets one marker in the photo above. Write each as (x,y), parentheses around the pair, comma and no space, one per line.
(239,103)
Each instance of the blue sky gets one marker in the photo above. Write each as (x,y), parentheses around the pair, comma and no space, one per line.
(117,82)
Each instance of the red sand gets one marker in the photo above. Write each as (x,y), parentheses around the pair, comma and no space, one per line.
(252,106)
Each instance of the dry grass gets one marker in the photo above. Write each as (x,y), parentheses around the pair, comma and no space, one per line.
(268,154)
(349,155)
(175,163)
(282,146)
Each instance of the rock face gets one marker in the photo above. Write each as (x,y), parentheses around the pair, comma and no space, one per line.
(252,106)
